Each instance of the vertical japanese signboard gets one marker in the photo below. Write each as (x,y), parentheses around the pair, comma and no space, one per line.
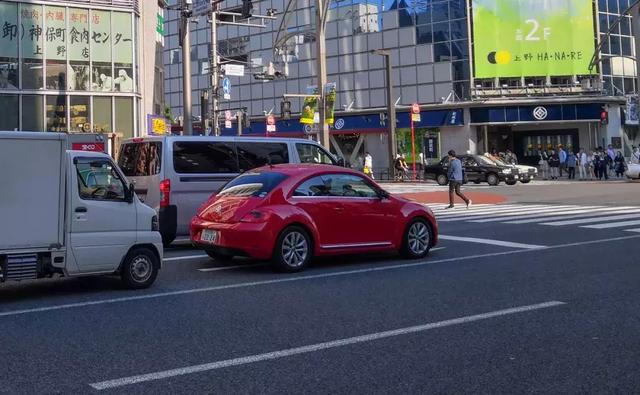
(78,35)
(531,38)
(31,19)
(9,37)
(55,33)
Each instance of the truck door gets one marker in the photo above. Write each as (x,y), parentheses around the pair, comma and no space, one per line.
(103,223)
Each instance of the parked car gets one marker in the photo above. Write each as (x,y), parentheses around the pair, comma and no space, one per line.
(633,171)
(477,169)
(176,174)
(291,213)
(527,173)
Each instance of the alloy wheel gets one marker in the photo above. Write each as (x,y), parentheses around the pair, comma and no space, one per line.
(418,238)
(295,249)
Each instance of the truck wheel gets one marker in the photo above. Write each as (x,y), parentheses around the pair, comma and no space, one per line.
(293,250)
(493,179)
(140,268)
(442,179)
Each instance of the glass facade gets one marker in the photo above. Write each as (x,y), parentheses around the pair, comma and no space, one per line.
(618,51)
(67,68)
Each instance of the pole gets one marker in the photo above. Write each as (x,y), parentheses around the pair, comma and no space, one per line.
(413,148)
(391,115)
(187,127)
(239,115)
(215,79)
(321,61)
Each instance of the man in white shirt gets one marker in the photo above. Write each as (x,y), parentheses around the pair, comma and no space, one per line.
(583,163)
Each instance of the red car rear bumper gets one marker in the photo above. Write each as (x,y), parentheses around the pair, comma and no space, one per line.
(251,239)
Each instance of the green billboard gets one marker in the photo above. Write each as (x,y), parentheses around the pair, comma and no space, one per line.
(532,38)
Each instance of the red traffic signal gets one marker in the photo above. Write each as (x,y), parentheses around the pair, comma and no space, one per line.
(604,117)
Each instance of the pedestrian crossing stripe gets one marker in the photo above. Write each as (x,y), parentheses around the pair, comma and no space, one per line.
(587,216)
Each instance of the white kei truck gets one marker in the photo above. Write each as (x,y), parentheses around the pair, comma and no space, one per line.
(71,213)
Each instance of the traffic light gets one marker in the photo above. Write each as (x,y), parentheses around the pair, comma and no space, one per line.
(604,117)
(247,8)
(285,110)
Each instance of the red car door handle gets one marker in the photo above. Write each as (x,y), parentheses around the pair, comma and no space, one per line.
(338,208)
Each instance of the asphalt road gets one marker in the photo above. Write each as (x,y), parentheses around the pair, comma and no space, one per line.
(498,308)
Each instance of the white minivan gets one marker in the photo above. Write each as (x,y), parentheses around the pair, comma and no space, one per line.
(176,174)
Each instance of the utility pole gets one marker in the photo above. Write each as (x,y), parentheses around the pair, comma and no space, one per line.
(635,20)
(215,79)
(185,35)
(391,109)
(322,7)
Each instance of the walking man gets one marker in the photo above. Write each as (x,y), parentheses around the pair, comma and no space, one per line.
(455,179)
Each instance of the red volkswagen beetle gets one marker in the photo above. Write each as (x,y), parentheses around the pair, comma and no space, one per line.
(291,213)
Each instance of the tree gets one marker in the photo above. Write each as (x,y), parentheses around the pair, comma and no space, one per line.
(167,114)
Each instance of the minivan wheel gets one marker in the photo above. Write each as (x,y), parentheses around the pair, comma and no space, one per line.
(140,268)
(493,179)
(417,239)
(293,250)
(442,179)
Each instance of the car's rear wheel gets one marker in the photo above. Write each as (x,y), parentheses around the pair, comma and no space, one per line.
(417,239)
(442,179)
(493,179)
(525,181)
(218,256)
(293,250)
(511,182)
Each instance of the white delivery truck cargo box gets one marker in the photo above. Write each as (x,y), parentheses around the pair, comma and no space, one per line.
(32,182)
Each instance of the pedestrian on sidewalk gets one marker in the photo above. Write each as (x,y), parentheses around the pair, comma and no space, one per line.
(583,163)
(620,165)
(554,165)
(635,156)
(455,179)
(544,164)
(590,166)
(572,162)
(562,156)
(611,157)
(368,165)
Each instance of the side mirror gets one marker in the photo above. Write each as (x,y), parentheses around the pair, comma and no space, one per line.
(341,162)
(129,193)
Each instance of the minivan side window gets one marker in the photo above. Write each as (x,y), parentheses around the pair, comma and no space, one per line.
(98,180)
(140,159)
(196,157)
(252,155)
(311,153)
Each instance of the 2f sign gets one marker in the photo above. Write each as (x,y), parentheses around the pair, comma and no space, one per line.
(533,32)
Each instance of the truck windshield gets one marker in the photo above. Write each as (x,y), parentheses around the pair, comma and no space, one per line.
(253,184)
(140,159)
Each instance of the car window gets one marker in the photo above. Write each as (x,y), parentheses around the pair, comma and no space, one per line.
(98,180)
(347,185)
(140,159)
(311,153)
(468,162)
(444,161)
(253,184)
(252,155)
(201,157)
(315,186)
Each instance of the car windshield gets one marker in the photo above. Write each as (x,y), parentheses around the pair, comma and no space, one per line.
(485,161)
(497,161)
(256,184)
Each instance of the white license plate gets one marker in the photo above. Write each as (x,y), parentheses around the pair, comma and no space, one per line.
(209,236)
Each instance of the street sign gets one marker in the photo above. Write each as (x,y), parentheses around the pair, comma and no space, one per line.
(201,7)
(226,88)
(236,70)
(415,108)
(415,117)
(227,124)
(271,120)
(271,128)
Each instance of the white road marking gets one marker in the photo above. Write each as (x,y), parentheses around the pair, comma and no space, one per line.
(613,225)
(492,242)
(143,378)
(602,218)
(304,277)
(462,210)
(508,214)
(494,210)
(179,258)
(219,268)
(633,230)
(547,212)
(592,213)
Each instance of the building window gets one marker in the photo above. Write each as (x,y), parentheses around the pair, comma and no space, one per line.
(9,46)
(124,116)
(31,20)
(100,43)
(78,74)
(56,113)
(79,114)
(10,119)
(32,113)
(102,110)
(122,38)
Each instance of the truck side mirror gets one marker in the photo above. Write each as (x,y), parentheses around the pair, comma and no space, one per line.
(128,193)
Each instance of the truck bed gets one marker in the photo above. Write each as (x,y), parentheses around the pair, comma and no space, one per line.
(32,182)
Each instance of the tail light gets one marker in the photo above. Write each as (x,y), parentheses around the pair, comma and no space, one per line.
(165,191)
(256,216)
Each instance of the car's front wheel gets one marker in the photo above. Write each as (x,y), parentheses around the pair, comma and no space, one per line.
(511,182)
(493,179)
(417,239)
(293,250)
(525,181)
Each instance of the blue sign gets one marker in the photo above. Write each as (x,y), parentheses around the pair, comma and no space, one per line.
(226,87)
